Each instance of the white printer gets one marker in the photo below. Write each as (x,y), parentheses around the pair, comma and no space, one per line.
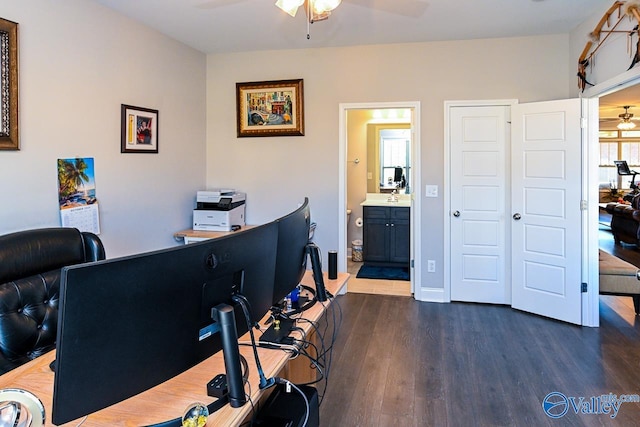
(219,210)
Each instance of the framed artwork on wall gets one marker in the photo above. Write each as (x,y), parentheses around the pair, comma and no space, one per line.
(270,108)
(139,130)
(9,139)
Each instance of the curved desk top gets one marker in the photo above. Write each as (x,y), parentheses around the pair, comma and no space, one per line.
(170,399)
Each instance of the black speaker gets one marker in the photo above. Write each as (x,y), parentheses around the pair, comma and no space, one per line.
(288,409)
(333,265)
(225,316)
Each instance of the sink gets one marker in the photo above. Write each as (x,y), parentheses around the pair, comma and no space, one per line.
(377,199)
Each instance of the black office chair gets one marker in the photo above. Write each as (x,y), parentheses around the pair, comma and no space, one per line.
(30,268)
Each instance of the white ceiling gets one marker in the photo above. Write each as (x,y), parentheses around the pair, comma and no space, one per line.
(220,26)
(612,105)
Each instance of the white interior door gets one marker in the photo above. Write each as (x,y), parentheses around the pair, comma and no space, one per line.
(546,209)
(478,175)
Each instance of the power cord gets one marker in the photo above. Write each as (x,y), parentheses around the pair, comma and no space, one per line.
(288,385)
(244,303)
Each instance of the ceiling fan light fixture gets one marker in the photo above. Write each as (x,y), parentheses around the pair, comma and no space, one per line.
(625,119)
(626,125)
(290,6)
(321,6)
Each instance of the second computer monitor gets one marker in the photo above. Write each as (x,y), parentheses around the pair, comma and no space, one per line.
(291,258)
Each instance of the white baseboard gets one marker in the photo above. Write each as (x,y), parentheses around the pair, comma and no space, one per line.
(431,295)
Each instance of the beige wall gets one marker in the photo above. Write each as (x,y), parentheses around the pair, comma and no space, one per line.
(78,63)
(278,172)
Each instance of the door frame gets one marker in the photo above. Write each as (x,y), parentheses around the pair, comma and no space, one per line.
(448,105)
(589,180)
(416,183)
(591,102)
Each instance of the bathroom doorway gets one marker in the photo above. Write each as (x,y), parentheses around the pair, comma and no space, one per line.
(377,140)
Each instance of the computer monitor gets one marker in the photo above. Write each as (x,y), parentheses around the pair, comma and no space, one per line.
(291,257)
(128,324)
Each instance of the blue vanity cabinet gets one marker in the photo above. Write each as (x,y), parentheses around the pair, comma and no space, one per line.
(386,235)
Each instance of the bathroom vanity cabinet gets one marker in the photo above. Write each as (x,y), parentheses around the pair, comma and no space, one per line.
(386,235)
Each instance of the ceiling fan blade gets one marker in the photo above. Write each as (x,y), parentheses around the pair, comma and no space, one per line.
(607,120)
(411,8)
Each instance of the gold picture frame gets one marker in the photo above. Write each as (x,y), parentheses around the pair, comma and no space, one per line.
(9,137)
(270,108)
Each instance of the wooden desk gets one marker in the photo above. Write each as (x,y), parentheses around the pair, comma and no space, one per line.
(192,236)
(169,399)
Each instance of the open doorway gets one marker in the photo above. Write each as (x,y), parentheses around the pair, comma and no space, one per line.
(378,143)
(619,141)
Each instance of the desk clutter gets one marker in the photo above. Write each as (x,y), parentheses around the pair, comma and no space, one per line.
(171,354)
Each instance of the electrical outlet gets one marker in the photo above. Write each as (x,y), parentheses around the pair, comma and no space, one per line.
(431,266)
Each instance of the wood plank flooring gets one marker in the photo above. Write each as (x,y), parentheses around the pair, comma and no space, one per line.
(399,362)
(375,286)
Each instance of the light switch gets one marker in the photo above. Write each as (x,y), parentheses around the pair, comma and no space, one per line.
(369,175)
(431,191)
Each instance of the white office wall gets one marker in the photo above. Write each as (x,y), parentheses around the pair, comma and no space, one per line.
(277,172)
(78,63)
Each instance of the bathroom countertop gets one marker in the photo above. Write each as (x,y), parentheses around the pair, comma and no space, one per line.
(375,199)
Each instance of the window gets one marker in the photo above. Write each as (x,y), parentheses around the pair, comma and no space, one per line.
(394,153)
(618,145)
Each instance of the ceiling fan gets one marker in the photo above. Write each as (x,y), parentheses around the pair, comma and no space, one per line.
(398,7)
(624,121)
(316,10)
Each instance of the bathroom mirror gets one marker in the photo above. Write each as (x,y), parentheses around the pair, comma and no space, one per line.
(388,157)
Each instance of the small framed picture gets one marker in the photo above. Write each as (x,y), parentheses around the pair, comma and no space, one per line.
(139,130)
(270,108)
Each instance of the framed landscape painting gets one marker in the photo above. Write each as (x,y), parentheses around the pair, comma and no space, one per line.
(270,108)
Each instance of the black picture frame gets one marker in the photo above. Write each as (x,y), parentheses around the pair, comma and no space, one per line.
(139,129)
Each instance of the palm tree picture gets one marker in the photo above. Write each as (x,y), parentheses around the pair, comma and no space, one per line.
(76,182)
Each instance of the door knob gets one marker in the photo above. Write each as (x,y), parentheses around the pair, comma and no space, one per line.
(517,216)
(456,213)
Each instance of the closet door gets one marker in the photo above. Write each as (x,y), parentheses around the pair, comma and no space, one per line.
(546,209)
(479,177)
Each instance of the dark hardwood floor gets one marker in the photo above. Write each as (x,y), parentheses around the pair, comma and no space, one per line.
(625,251)
(399,362)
